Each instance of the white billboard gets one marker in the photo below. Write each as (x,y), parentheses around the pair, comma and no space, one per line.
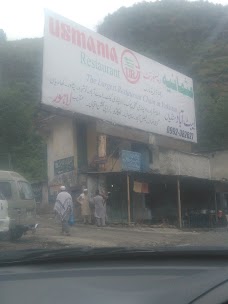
(86,73)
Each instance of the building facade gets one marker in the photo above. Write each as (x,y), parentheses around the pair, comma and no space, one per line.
(88,81)
(149,178)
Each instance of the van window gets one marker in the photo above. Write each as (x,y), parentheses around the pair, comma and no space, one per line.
(5,189)
(25,191)
(2,197)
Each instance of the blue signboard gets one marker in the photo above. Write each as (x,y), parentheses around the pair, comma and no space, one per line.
(131,161)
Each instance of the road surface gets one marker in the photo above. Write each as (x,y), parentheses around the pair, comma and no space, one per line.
(48,235)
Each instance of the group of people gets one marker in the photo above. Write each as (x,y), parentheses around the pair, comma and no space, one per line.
(94,208)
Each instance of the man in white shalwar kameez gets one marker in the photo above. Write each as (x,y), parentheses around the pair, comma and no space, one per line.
(83,200)
(100,209)
(64,208)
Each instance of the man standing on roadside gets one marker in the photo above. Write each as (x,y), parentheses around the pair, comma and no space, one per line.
(83,200)
(64,208)
(100,210)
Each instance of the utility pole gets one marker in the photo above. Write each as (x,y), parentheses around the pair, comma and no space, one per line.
(128,201)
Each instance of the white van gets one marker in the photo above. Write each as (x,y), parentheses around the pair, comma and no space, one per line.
(4,218)
(17,205)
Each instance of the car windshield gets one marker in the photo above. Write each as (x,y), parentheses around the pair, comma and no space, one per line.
(113,119)
(25,190)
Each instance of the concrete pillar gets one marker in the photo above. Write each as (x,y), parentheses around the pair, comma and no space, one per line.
(179,203)
(128,201)
(45,194)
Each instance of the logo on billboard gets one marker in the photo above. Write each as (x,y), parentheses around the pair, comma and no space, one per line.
(130,66)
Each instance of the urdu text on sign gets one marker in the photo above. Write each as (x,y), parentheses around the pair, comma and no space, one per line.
(86,73)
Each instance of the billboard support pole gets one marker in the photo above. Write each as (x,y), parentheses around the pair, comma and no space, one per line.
(128,201)
(179,203)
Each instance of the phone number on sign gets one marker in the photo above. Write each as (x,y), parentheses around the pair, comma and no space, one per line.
(180,133)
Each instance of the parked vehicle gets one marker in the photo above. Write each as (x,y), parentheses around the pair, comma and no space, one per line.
(17,206)
(4,217)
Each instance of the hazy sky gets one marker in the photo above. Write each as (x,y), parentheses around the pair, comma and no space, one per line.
(25,18)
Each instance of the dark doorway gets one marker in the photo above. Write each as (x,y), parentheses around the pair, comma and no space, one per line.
(117,202)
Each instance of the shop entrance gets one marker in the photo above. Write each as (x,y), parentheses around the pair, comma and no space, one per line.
(155,201)
(117,201)
(162,201)
(198,202)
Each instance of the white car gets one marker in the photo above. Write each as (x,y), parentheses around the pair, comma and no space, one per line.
(4,218)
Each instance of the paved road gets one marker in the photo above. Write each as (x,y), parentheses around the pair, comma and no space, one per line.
(49,235)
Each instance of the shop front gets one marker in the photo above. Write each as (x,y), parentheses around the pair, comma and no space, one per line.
(172,200)
(154,199)
(198,199)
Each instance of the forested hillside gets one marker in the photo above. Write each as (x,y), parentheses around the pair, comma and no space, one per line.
(20,88)
(191,37)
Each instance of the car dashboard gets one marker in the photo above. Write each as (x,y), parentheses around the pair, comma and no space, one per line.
(134,280)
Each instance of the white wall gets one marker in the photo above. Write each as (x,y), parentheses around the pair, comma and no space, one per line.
(178,163)
(61,143)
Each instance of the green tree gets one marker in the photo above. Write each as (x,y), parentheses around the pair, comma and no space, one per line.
(20,87)
(18,136)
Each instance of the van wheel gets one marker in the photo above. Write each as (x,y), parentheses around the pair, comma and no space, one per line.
(15,234)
